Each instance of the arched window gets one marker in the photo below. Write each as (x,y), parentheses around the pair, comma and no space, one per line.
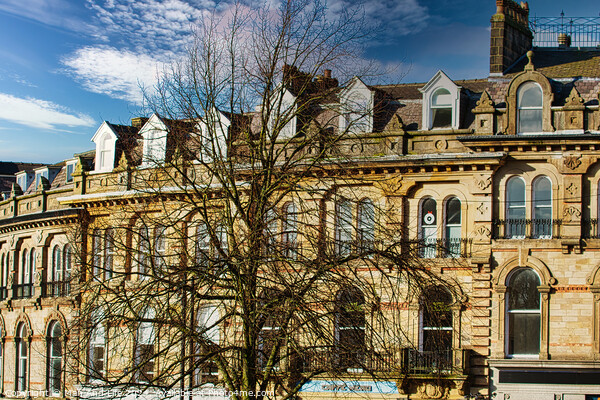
(29,291)
(529,108)
(524,313)
(290,230)
(96,254)
(56,277)
(350,329)
(143,252)
(160,247)
(107,157)
(109,253)
(3,276)
(202,245)
(453,227)
(96,366)
(209,335)
(145,352)
(441,109)
(343,227)
(24,286)
(55,358)
(436,327)
(67,267)
(542,208)
(429,228)
(366,225)
(515,208)
(21,352)
(271,234)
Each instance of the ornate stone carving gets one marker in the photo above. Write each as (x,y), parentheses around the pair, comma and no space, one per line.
(390,186)
(574,101)
(395,124)
(485,104)
(571,213)
(483,232)
(572,161)
(441,144)
(482,208)
(571,189)
(483,182)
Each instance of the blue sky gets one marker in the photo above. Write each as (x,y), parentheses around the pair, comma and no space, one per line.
(68,65)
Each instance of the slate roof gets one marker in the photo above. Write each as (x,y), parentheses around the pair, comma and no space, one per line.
(561,63)
(8,169)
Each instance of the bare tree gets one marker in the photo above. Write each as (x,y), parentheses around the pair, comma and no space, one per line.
(245,248)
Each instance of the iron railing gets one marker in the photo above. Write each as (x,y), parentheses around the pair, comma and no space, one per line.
(329,358)
(569,31)
(443,248)
(22,291)
(57,289)
(526,228)
(429,362)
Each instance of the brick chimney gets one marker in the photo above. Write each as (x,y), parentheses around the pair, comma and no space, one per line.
(511,37)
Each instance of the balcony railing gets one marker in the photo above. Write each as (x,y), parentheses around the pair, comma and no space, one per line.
(347,247)
(429,362)
(590,229)
(406,361)
(57,289)
(527,228)
(325,359)
(23,290)
(443,248)
(552,31)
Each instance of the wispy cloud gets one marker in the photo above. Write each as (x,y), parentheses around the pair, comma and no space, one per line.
(38,113)
(117,73)
(56,13)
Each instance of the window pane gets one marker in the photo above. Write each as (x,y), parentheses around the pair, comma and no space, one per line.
(442,117)
(529,95)
(441,98)
(453,211)
(524,294)
(524,333)
(530,120)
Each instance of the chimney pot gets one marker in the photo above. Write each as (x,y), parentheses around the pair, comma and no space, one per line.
(327,74)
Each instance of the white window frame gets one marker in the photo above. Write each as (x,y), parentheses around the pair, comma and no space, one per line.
(22,359)
(508,207)
(440,81)
(535,207)
(530,108)
(53,360)
(357,102)
(507,319)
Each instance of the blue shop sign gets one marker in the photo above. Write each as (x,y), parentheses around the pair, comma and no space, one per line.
(382,387)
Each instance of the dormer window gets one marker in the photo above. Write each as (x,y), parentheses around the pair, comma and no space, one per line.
(154,133)
(38,177)
(529,108)
(441,109)
(441,101)
(69,169)
(23,180)
(356,108)
(105,139)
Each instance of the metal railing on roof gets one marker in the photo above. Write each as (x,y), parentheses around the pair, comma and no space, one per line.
(565,31)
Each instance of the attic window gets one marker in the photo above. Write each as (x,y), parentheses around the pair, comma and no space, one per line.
(69,171)
(106,153)
(441,109)
(529,106)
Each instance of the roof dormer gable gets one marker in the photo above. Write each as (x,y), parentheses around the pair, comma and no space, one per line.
(357,102)
(105,139)
(283,121)
(213,129)
(441,103)
(154,134)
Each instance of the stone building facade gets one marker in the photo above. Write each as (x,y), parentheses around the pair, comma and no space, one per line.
(495,181)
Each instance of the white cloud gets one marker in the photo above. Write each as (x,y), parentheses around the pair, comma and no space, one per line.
(40,113)
(117,73)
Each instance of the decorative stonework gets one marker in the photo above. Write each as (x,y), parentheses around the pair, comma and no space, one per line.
(572,161)
(574,101)
(483,232)
(482,208)
(571,213)
(483,182)
(484,105)
(441,144)
(390,186)
(571,189)
(395,124)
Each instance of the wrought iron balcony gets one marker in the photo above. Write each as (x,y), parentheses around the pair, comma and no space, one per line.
(57,288)
(443,248)
(527,228)
(331,359)
(22,291)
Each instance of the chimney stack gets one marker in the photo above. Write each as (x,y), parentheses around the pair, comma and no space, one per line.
(327,73)
(511,37)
